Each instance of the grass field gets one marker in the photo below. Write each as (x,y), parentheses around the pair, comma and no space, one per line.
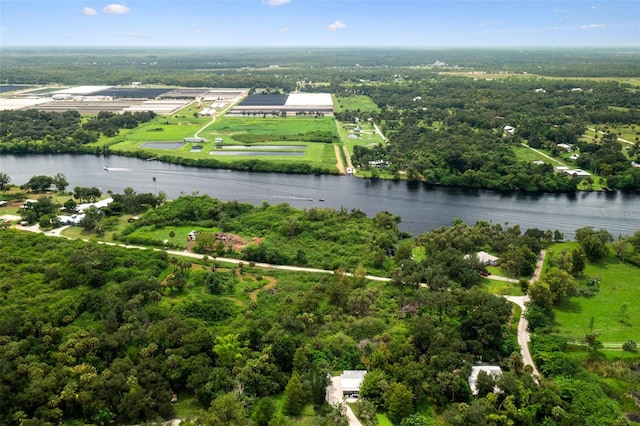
(311,135)
(501,288)
(354,103)
(529,155)
(619,285)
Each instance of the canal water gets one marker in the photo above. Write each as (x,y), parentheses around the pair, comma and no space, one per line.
(421,207)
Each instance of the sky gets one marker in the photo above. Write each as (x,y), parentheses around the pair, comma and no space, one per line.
(327,23)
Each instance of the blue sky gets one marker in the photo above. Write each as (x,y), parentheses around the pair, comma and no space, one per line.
(291,23)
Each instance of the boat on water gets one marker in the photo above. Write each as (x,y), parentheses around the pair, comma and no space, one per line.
(106,168)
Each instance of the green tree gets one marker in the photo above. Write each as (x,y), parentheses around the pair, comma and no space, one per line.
(541,294)
(228,410)
(415,420)
(60,182)
(365,410)
(399,402)
(4,180)
(593,242)
(485,384)
(228,350)
(39,183)
(630,346)
(263,412)
(561,284)
(294,396)
(318,382)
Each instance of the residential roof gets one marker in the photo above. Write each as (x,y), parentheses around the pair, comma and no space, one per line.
(352,379)
(485,257)
(99,204)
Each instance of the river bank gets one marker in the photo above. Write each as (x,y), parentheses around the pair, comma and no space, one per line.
(421,207)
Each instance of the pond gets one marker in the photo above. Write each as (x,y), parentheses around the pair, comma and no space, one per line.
(256,153)
(162,145)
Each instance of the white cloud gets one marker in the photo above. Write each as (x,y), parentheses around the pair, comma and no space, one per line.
(594,7)
(197,31)
(116,9)
(338,25)
(593,27)
(284,30)
(134,35)
(89,11)
(275,3)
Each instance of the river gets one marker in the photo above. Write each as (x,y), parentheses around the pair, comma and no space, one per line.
(421,208)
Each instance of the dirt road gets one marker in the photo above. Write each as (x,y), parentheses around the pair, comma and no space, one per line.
(339,163)
(524,337)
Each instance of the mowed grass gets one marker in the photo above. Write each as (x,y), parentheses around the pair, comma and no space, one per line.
(228,127)
(263,131)
(529,155)
(354,103)
(619,285)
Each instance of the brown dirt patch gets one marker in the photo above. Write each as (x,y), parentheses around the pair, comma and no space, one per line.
(271,284)
(339,163)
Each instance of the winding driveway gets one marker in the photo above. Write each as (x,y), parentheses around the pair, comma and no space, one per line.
(524,337)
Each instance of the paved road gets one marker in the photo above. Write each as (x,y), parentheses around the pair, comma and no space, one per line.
(379,132)
(334,396)
(603,133)
(543,154)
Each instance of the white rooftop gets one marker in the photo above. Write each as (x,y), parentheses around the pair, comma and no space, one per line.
(81,90)
(308,99)
(13,104)
(99,204)
(352,379)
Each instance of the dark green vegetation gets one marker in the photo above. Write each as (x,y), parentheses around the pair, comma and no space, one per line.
(449,130)
(250,67)
(100,334)
(31,131)
(444,127)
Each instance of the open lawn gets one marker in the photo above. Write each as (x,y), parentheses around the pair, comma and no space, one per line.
(258,129)
(619,286)
(354,103)
(501,288)
(529,155)
(284,140)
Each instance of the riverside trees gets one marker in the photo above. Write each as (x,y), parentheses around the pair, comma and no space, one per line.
(93,333)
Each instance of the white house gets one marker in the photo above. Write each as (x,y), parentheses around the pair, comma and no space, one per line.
(351,381)
(509,129)
(487,259)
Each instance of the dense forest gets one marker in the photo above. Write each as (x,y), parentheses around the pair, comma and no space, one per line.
(100,334)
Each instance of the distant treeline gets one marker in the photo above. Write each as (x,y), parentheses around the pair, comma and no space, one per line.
(251,66)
